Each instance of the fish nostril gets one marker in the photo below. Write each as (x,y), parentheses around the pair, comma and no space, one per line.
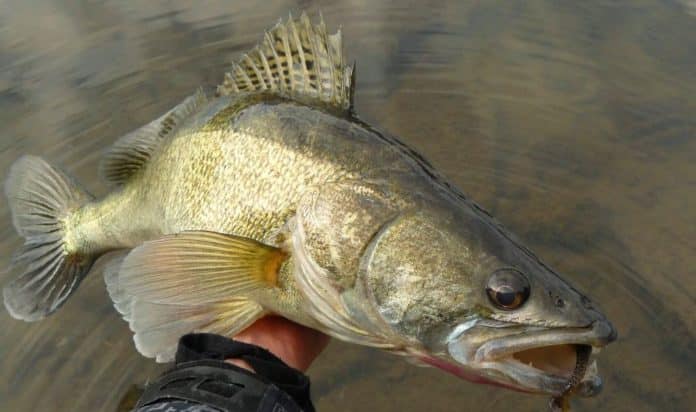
(557,300)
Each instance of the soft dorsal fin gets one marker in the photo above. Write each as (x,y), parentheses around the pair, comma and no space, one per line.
(297,60)
(129,153)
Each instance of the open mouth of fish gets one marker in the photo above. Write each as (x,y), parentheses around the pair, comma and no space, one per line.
(562,368)
(552,361)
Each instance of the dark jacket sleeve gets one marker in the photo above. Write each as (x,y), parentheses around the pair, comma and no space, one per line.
(201,381)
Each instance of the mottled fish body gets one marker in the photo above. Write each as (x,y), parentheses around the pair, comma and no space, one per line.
(273,197)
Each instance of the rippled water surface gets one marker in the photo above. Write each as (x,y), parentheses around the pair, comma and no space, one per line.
(574,122)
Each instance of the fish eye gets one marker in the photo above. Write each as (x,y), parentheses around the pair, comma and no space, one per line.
(508,289)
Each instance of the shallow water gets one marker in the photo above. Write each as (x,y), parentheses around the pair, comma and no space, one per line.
(573,122)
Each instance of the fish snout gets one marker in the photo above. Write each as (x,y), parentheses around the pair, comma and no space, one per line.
(577,310)
(604,332)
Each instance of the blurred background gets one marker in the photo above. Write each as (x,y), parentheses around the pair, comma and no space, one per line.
(573,122)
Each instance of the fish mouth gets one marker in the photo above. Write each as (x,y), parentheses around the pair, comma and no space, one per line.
(556,369)
(552,361)
(555,360)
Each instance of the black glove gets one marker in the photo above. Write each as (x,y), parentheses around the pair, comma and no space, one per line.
(201,377)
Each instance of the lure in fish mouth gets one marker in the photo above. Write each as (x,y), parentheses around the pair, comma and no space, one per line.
(551,361)
(273,197)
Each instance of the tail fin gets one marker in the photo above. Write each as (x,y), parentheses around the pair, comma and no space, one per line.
(40,196)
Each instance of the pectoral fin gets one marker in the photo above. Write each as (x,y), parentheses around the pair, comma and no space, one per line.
(158,327)
(191,281)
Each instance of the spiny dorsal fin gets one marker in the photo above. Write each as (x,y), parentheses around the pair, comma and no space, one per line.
(129,153)
(296,60)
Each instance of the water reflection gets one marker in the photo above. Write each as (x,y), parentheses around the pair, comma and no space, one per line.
(573,122)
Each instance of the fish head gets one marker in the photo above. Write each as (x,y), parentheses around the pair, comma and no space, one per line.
(466,297)
(437,279)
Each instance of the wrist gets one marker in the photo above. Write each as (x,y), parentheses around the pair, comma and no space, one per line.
(294,344)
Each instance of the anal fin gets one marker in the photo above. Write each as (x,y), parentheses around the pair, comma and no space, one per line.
(191,281)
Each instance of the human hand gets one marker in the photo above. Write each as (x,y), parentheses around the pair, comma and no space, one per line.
(295,344)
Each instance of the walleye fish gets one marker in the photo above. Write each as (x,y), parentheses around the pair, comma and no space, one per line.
(272,196)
